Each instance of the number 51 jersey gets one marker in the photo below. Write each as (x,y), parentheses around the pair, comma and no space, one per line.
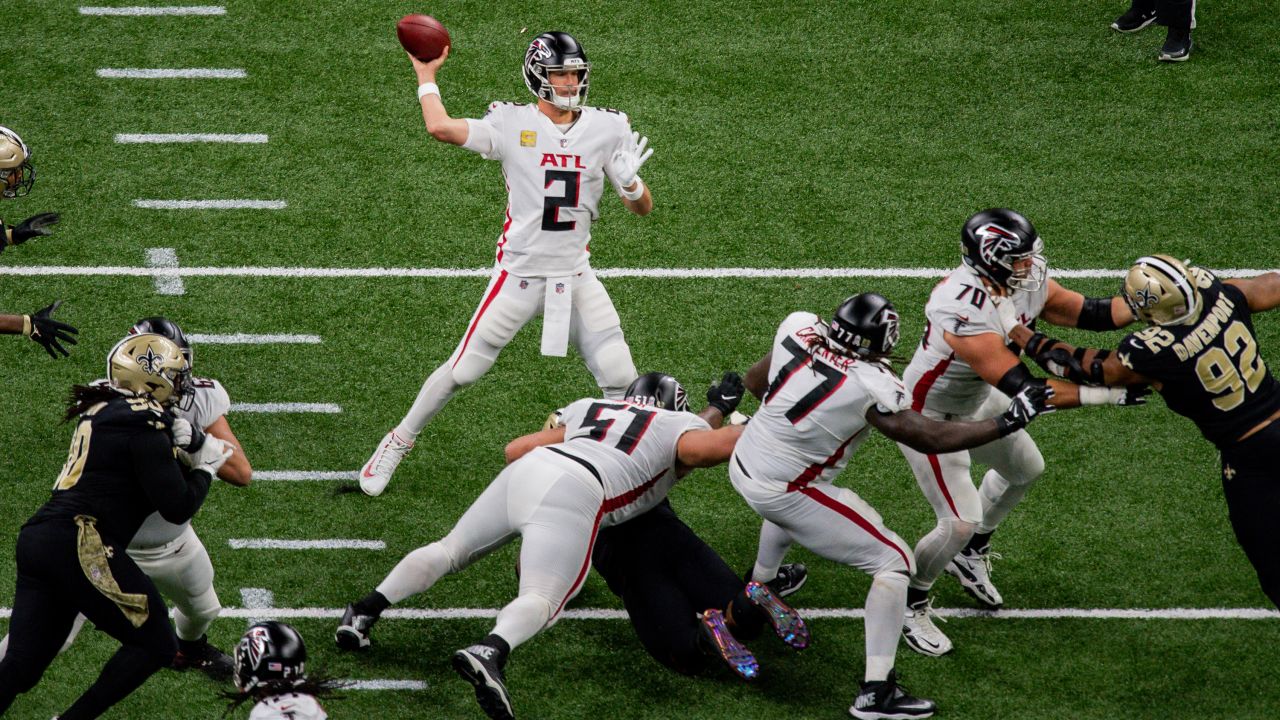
(632,447)
(554,180)
(814,413)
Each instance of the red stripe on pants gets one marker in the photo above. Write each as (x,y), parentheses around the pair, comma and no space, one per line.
(849,514)
(586,565)
(502,277)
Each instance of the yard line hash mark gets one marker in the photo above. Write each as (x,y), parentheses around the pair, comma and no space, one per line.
(166,282)
(135,11)
(304,475)
(250,339)
(172,73)
(296,407)
(210,204)
(273,544)
(173,138)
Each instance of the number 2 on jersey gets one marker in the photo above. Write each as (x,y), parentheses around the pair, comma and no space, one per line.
(551,206)
(1218,374)
(600,428)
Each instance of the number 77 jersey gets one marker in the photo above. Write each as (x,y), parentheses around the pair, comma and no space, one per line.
(814,414)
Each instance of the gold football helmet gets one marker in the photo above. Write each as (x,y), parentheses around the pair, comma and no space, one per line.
(1161,290)
(150,365)
(16,173)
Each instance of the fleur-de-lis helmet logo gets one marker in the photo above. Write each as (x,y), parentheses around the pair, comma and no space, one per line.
(150,362)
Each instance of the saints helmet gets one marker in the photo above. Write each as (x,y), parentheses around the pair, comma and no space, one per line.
(553,51)
(659,390)
(865,325)
(269,652)
(16,173)
(1161,290)
(161,325)
(150,365)
(997,243)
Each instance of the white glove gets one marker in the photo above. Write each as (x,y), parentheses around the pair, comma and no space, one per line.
(211,455)
(737,418)
(1007,313)
(181,431)
(625,164)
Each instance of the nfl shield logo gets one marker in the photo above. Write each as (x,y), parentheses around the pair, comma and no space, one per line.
(559,288)
(524,284)
(564,142)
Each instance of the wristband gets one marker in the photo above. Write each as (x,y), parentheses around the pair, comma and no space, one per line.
(26,326)
(428,88)
(1100,395)
(634,194)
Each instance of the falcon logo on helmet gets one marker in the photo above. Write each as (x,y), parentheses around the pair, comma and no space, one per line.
(268,652)
(996,241)
(1002,246)
(865,325)
(17,175)
(658,390)
(555,52)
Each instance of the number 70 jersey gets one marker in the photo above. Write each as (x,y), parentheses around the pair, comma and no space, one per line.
(814,413)
(633,448)
(554,182)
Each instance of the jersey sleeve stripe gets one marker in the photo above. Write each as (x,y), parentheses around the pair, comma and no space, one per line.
(851,515)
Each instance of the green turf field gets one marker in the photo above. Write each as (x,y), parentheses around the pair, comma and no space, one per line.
(786,135)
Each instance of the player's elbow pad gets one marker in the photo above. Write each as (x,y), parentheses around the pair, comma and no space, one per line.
(1018,377)
(1096,315)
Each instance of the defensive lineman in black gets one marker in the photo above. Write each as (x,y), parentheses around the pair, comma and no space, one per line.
(1201,354)
(121,467)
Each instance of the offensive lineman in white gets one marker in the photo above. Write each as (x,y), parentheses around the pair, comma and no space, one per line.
(964,369)
(608,461)
(822,386)
(555,155)
(172,555)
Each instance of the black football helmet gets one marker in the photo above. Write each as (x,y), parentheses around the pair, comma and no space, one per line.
(17,174)
(659,390)
(994,241)
(270,651)
(160,325)
(865,325)
(556,51)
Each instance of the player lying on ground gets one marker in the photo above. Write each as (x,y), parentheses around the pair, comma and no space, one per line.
(822,386)
(617,460)
(1199,351)
(556,155)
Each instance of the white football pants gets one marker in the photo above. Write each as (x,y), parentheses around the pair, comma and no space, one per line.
(555,505)
(183,573)
(1015,464)
(508,304)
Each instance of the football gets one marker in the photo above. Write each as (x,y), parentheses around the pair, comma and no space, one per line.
(423,36)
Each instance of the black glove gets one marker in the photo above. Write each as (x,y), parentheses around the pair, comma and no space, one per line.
(726,396)
(42,328)
(34,226)
(1060,363)
(1032,401)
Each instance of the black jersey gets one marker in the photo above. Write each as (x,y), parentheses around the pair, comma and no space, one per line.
(121,468)
(1211,371)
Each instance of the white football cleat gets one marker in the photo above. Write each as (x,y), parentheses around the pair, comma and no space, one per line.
(376,473)
(973,570)
(921,634)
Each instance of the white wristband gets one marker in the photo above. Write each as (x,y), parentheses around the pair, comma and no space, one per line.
(634,194)
(429,88)
(1100,395)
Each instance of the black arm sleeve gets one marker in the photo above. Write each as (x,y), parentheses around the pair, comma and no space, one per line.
(1013,381)
(176,497)
(1096,315)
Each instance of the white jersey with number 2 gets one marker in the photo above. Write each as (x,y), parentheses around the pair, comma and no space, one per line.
(554,181)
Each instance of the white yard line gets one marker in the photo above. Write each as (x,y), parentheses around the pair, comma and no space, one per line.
(172,138)
(296,407)
(304,475)
(172,73)
(675,273)
(249,339)
(210,204)
(257,599)
(166,282)
(134,11)
(334,544)
(383,685)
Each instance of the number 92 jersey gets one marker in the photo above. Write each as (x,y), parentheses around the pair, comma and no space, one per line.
(554,181)
(814,413)
(633,447)
(1211,371)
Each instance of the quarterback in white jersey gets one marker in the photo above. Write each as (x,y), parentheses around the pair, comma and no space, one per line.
(964,369)
(822,386)
(607,461)
(172,555)
(556,155)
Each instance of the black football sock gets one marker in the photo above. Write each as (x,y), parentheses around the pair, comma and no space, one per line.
(372,604)
(979,542)
(502,646)
(916,596)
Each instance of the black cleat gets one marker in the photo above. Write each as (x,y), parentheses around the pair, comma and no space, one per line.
(1177,46)
(789,579)
(353,631)
(887,700)
(1134,19)
(477,665)
(200,655)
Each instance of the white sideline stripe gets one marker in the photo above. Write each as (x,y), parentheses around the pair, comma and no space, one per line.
(677,273)
(156,10)
(167,283)
(306,475)
(247,339)
(271,544)
(158,138)
(329,408)
(168,73)
(211,204)
(383,685)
